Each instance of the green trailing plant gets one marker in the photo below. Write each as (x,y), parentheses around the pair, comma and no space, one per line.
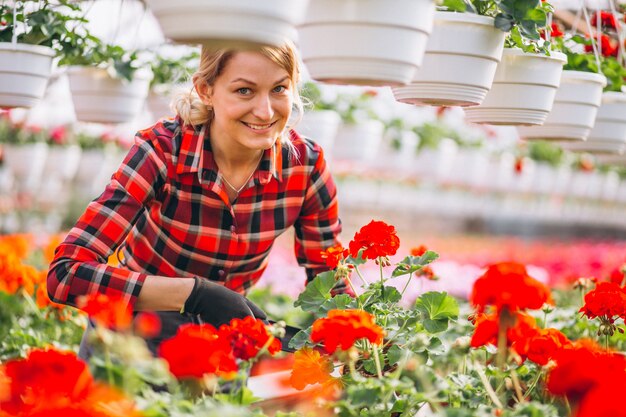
(170,71)
(352,107)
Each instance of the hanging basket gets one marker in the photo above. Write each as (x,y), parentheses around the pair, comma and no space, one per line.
(365,42)
(321,126)
(24,73)
(62,162)
(575,107)
(99,98)
(461,58)
(26,163)
(232,23)
(523,89)
(609,132)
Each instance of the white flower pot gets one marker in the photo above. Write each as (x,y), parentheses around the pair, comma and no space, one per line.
(231,23)
(609,132)
(523,89)
(575,107)
(159,105)
(99,98)
(358,142)
(26,163)
(461,58)
(321,126)
(24,73)
(62,162)
(365,42)
(90,165)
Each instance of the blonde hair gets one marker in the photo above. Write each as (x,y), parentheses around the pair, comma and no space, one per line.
(192,110)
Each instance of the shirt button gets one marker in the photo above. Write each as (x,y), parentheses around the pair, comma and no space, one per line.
(221,273)
(233,228)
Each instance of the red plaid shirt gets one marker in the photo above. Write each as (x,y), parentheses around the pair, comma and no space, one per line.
(168,206)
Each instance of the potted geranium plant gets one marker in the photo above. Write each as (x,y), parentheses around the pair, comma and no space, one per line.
(365,42)
(461,56)
(529,73)
(31,34)
(579,96)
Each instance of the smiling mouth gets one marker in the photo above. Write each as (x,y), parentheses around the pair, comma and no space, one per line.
(259,127)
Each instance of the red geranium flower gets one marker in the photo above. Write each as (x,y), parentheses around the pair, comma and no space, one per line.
(607,20)
(544,344)
(582,366)
(378,239)
(196,350)
(607,299)
(487,325)
(110,311)
(555,31)
(247,337)
(147,324)
(508,285)
(342,328)
(608,45)
(334,255)
(310,367)
(603,399)
(419,251)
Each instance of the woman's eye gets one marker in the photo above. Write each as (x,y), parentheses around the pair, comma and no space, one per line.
(244,91)
(280,89)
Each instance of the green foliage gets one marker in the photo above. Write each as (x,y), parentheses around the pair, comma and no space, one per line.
(544,151)
(352,107)
(167,71)
(437,308)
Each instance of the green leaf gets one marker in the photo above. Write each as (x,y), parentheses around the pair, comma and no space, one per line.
(394,354)
(300,339)
(438,308)
(503,22)
(339,302)
(455,5)
(316,292)
(414,263)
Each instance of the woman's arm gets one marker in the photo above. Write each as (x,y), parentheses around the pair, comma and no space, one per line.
(163,293)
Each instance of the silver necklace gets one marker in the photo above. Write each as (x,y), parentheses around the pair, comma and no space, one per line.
(238,190)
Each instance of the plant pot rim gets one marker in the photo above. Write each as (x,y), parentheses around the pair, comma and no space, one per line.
(463,17)
(613,97)
(584,76)
(26,47)
(554,55)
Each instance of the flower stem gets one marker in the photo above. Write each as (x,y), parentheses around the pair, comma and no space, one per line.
(533,385)
(358,272)
(382,278)
(379,370)
(490,392)
(408,281)
(517,386)
(504,319)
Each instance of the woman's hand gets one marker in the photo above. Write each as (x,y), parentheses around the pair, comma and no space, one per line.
(217,305)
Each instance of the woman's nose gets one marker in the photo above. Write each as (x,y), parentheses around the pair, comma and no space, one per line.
(263,109)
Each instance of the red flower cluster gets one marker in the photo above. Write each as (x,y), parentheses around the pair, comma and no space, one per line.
(342,328)
(196,350)
(508,285)
(310,367)
(589,375)
(247,337)
(544,345)
(486,331)
(419,251)
(147,324)
(608,45)
(555,31)
(377,239)
(53,383)
(334,255)
(112,312)
(607,20)
(608,299)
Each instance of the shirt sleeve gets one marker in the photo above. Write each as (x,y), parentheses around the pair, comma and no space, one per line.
(80,265)
(318,225)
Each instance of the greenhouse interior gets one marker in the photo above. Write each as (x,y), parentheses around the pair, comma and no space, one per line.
(297,208)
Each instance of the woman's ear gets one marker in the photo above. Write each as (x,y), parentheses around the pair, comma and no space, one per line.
(204,92)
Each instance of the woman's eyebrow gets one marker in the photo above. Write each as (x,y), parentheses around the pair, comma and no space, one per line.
(253,83)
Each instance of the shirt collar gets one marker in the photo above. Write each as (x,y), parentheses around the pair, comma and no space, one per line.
(195,146)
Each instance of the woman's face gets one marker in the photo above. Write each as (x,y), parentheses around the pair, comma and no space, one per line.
(251,101)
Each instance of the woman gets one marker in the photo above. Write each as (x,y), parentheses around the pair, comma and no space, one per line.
(200,199)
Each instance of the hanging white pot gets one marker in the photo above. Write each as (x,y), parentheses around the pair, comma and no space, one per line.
(575,108)
(358,142)
(461,58)
(24,73)
(609,132)
(233,23)
(365,42)
(321,126)
(100,98)
(523,89)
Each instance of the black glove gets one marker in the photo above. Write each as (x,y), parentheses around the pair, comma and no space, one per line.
(217,305)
